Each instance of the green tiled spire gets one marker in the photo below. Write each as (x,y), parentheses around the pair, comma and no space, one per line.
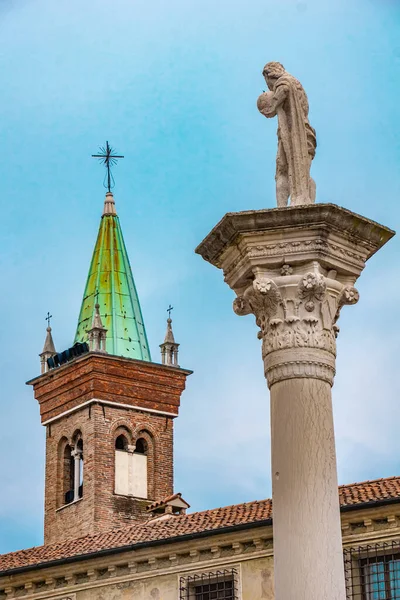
(110,279)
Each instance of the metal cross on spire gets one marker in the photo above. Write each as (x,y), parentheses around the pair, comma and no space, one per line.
(169,309)
(49,316)
(108,159)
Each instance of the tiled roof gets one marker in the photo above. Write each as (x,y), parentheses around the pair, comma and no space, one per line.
(369,491)
(191,524)
(165,501)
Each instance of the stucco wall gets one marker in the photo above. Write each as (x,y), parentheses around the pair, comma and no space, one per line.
(157,588)
(258,579)
(255,581)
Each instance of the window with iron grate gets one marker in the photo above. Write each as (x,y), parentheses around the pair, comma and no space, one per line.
(218,585)
(373,572)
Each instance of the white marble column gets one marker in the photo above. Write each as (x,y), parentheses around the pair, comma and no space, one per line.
(296,310)
(294,269)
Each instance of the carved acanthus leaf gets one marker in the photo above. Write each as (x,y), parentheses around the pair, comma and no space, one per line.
(264,298)
(261,298)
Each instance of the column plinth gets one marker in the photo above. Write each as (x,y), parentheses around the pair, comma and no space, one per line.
(294,269)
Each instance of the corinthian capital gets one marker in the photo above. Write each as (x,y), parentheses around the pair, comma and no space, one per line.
(296,311)
(294,269)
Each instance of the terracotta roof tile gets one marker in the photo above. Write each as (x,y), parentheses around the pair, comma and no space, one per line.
(369,491)
(208,520)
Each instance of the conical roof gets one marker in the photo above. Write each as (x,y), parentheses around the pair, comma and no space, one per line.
(48,347)
(169,335)
(110,283)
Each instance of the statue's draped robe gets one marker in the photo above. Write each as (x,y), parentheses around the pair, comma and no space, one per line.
(296,136)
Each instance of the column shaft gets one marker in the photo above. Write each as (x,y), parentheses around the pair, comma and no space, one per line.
(306,521)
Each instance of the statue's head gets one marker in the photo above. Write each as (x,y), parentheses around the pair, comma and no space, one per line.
(271,72)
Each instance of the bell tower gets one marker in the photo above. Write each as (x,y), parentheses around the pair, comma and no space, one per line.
(108,410)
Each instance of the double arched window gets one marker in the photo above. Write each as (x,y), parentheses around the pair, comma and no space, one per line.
(131,466)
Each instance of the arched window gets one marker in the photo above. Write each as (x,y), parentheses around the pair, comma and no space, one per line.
(122,466)
(67,475)
(72,471)
(131,467)
(121,443)
(141,446)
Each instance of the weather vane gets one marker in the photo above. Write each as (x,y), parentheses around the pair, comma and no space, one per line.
(169,309)
(108,159)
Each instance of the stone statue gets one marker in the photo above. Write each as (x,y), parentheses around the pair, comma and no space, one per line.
(296,138)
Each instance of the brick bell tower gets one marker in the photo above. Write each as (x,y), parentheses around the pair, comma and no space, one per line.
(108,410)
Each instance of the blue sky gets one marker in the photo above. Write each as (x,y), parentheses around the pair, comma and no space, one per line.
(173,86)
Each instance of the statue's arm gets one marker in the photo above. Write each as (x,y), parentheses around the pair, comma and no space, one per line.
(269,102)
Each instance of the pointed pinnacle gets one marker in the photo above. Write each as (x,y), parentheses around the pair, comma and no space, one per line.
(49,344)
(169,336)
(109,205)
(97,322)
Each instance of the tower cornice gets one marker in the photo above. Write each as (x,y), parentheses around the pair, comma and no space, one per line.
(113,379)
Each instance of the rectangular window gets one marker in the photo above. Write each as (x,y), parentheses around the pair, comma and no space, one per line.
(373,572)
(382,580)
(122,460)
(139,475)
(130,474)
(219,585)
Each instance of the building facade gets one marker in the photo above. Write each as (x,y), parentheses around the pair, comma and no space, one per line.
(224,553)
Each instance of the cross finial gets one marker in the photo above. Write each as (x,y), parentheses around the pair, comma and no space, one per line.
(96,296)
(169,309)
(48,317)
(108,159)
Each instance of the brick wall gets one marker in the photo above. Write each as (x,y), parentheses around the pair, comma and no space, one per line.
(98,425)
(100,509)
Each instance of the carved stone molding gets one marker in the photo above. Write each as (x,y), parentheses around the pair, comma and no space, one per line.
(299,369)
(294,248)
(311,245)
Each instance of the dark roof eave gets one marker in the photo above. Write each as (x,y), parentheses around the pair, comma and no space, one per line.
(370,504)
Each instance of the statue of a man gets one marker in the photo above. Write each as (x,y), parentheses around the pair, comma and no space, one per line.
(296,138)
